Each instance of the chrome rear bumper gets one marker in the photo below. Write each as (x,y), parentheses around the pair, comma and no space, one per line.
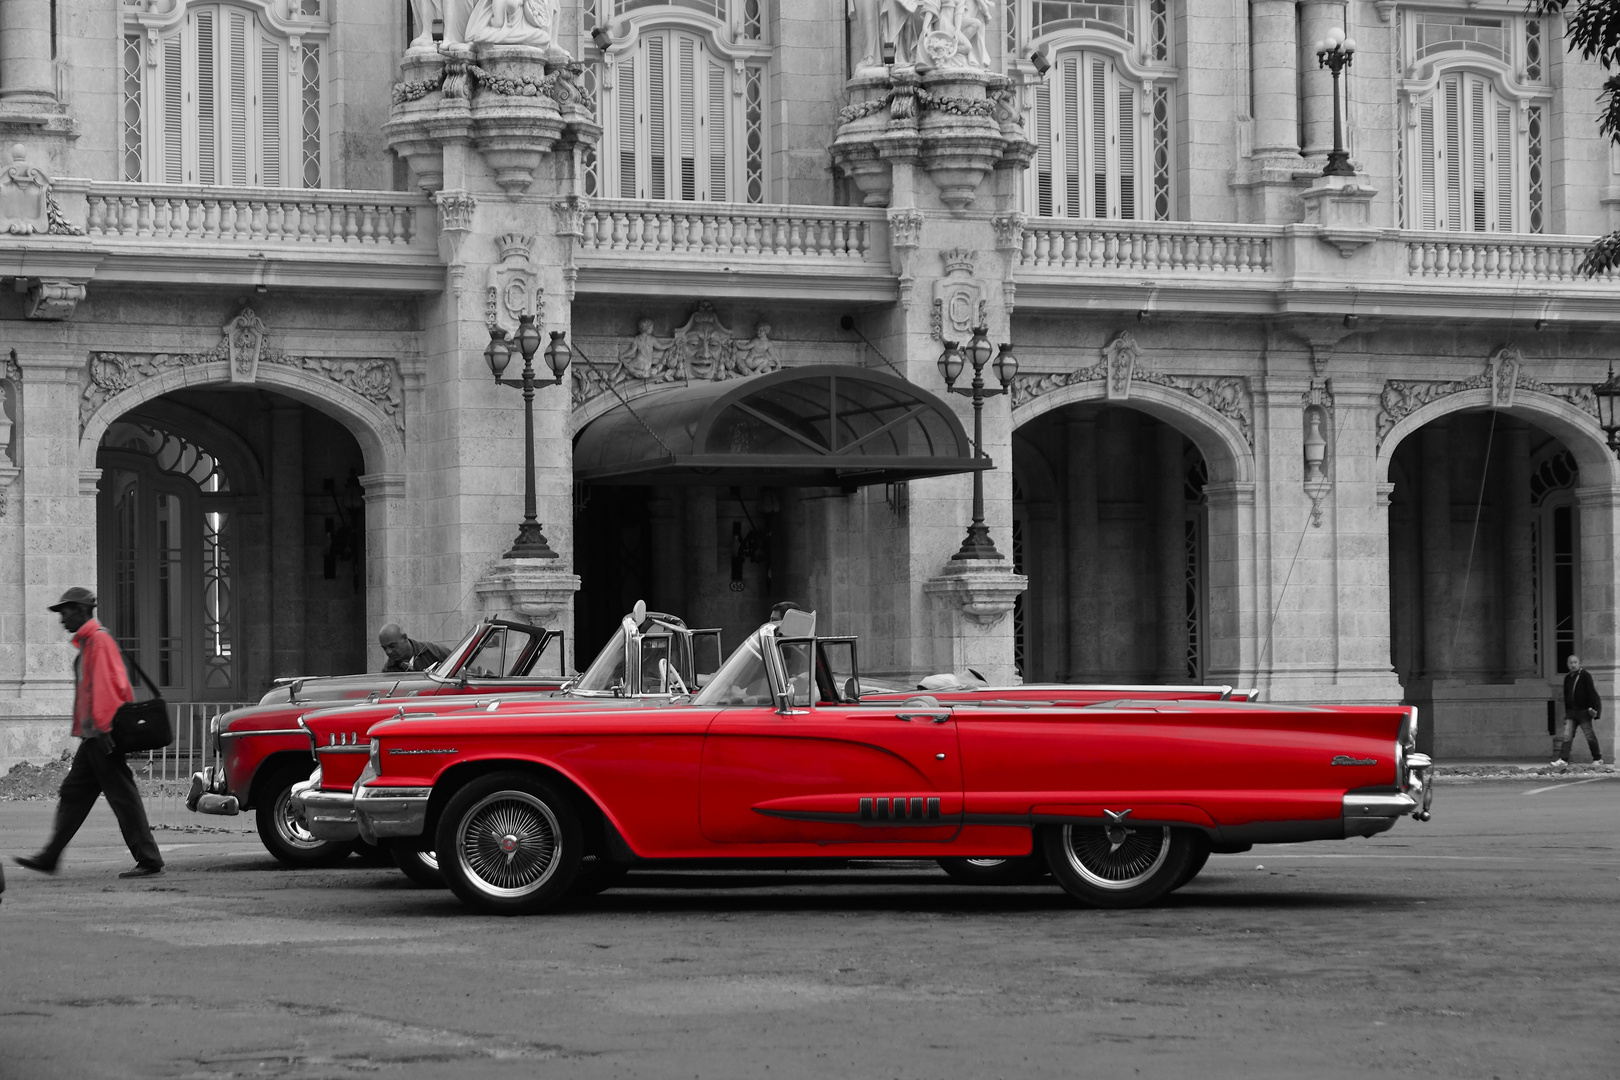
(1371,814)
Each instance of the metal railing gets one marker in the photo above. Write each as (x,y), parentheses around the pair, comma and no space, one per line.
(165,774)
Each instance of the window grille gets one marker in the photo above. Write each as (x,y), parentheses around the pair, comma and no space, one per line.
(1439,32)
(1159,29)
(1161,153)
(134,116)
(1533,170)
(1532,50)
(1117,18)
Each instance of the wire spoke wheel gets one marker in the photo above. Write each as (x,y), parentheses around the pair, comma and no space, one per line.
(1115,858)
(507,843)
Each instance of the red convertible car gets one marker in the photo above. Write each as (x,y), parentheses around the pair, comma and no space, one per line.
(779,757)
(262,752)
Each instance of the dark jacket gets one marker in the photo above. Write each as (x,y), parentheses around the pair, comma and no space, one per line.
(424,654)
(1580,693)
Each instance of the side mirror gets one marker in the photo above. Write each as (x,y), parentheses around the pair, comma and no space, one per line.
(784,702)
(639,612)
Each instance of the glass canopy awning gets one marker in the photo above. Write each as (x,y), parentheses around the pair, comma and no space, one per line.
(825,425)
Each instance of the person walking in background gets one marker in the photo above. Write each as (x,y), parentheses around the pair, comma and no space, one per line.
(1581,706)
(100,686)
(405,653)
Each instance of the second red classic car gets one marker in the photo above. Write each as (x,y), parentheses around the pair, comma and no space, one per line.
(779,757)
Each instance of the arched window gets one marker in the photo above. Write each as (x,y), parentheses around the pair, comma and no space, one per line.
(1472,150)
(682,108)
(225,94)
(1097,154)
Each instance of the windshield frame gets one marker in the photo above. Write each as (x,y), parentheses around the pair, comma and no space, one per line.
(760,647)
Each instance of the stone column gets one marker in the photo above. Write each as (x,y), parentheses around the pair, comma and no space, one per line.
(1518,573)
(287,541)
(1435,514)
(1046,607)
(388,563)
(1273,54)
(1082,525)
(26,75)
(1171,513)
(1234,623)
(1317,17)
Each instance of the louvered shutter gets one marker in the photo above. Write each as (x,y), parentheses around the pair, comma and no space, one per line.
(206,105)
(1125,142)
(1043,153)
(719,132)
(237,82)
(272,96)
(657,120)
(172,110)
(1073,142)
(1426,167)
(1453,155)
(1478,155)
(628,134)
(686,119)
(1099,139)
(1504,150)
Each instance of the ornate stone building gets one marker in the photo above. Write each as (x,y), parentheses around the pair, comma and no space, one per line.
(1334,437)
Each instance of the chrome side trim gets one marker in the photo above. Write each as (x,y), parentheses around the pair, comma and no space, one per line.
(266,731)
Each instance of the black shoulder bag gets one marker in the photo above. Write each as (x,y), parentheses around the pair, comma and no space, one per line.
(138,726)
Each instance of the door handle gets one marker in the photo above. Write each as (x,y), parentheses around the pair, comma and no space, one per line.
(938,718)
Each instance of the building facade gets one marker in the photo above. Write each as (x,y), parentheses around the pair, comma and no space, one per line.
(1334,437)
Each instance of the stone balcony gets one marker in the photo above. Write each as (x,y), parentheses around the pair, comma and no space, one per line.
(388,241)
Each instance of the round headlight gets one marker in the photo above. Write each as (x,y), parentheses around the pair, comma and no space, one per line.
(376,756)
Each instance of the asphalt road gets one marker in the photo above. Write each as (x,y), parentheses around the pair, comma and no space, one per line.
(1483,944)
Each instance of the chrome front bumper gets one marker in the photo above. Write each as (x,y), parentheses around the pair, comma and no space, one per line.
(383,812)
(328,815)
(207,794)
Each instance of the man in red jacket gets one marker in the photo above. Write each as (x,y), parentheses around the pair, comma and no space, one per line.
(101,685)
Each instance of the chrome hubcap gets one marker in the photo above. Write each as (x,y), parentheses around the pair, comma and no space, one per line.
(292,826)
(507,844)
(1115,857)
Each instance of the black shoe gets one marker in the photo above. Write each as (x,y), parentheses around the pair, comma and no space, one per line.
(142,871)
(35,862)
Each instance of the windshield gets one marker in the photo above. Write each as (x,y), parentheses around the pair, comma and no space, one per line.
(607,670)
(444,667)
(742,679)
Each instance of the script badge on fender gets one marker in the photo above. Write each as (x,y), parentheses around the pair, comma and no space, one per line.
(1346,759)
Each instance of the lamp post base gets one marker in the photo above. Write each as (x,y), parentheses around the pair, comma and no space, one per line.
(530,543)
(1338,164)
(977,545)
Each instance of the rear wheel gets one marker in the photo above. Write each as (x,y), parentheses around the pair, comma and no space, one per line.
(1017,871)
(282,831)
(1118,865)
(1195,859)
(509,844)
(421,867)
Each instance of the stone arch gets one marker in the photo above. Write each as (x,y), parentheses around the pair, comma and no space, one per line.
(379,436)
(1219,439)
(1576,428)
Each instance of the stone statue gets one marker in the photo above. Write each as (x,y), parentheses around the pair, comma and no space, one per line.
(909,24)
(867,38)
(962,28)
(643,355)
(453,12)
(512,22)
(758,356)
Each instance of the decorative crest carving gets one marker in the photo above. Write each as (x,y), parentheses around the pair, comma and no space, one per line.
(959,297)
(514,284)
(243,348)
(1503,376)
(1119,358)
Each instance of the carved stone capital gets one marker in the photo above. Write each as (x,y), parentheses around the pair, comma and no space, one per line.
(535,589)
(984,590)
(55,300)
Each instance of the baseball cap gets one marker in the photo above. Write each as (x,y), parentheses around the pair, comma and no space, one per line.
(76,595)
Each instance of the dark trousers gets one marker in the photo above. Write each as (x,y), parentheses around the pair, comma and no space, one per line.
(96,772)
(1564,745)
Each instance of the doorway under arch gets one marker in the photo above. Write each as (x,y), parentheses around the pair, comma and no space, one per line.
(1111,527)
(230,542)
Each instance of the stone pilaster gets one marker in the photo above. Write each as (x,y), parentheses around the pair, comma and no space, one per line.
(1518,577)
(1085,660)
(1266,181)
(1317,17)
(1599,643)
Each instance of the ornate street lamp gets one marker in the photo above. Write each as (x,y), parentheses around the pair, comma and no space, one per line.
(978,544)
(1608,397)
(1334,53)
(530,542)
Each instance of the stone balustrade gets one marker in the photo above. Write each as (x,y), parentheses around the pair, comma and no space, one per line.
(1472,256)
(1148,247)
(730,230)
(256,216)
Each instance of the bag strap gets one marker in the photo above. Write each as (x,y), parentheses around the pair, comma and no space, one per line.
(132,662)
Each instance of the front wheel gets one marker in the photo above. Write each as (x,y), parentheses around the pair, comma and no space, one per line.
(1117,865)
(422,867)
(1195,860)
(283,833)
(1016,871)
(509,844)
